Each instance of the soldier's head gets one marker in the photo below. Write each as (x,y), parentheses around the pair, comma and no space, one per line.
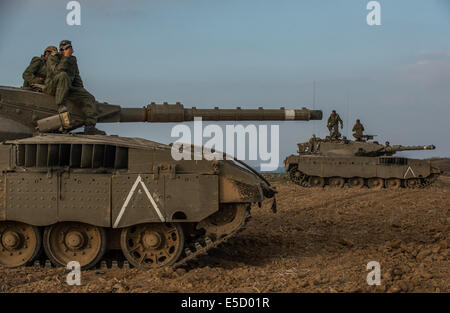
(357,121)
(50,50)
(387,143)
(65,47)
(333,112)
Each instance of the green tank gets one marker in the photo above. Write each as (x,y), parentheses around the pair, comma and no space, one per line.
(336,163)
(77,196)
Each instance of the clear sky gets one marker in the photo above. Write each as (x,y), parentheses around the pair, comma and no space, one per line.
(249,53)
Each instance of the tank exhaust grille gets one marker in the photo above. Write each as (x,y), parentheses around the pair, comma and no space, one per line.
(72,155)
(392,161)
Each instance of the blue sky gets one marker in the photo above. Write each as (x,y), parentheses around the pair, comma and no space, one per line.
(249,53)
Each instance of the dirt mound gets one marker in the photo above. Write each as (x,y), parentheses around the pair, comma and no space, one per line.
(319,241)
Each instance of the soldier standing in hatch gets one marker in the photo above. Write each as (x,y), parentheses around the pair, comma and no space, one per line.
(64,82)
(333,125)
(358,130)
(36,72)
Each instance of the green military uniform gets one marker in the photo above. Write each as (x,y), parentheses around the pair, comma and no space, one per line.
(358,130)
(333,125)
(36,72)
(64,82)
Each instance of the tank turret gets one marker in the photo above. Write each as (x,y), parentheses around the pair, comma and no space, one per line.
(23,112)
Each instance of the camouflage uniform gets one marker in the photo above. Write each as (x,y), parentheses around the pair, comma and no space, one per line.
(333,125)
(64,82)
(358,130)
(36,72)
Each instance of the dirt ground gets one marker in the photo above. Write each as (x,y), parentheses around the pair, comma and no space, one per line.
(319,241)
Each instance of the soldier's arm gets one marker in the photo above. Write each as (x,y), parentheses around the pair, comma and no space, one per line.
(63,65)
(52,63)
(77,81)
(29,73)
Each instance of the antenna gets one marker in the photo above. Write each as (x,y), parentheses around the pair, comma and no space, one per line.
(348,112)
(314,105)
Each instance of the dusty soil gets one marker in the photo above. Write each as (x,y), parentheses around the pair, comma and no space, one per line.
(319,241)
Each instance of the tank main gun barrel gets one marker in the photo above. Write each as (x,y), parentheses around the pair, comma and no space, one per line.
(408,148)
(166,113)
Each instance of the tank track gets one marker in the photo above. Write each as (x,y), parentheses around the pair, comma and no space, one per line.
(202,245)
(194,250)
(426,182)
(302,179)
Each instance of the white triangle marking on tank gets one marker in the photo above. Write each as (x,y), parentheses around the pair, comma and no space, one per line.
(409,170)
(130,195)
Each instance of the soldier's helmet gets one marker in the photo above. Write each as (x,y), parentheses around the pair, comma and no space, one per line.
(51,49)
(65,44)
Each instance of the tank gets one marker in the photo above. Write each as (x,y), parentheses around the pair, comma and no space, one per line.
(77,196)
(322,162)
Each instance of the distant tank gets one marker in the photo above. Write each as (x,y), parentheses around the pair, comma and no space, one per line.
(77,196)
(362,163)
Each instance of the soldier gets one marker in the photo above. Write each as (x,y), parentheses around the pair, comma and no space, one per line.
(64,82)
(358,130)
(333,125)
(36,72)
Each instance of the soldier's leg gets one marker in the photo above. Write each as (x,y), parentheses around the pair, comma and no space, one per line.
(335,131)
(62,84)
(86,101)
(330,129)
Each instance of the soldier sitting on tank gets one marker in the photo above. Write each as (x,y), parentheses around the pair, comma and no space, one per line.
(358,130)
(35,74)
(333,125)
(64,82)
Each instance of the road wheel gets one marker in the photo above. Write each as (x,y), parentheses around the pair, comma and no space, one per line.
(356,182)
(413,183)
(19,243)
(375,183)
(393,183)
(298,177)
(152,245)
(316,181)
(337,182)
(72,241)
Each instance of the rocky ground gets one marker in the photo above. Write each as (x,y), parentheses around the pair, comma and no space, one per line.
(319,241)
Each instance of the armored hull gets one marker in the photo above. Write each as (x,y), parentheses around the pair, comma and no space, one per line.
(78,196)
(358,164)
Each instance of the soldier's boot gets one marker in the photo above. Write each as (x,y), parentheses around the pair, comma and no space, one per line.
(92,130)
